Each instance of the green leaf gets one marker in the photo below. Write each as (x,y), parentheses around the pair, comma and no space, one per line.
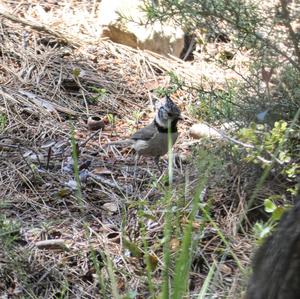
(269,205)
(277,213)
(76,72)
(261,230)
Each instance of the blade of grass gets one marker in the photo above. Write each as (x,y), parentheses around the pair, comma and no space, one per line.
(183,262)
(142,221)
(110,270)
(221,235)
(207,281)
(107,264)
(167,220)
(166,246)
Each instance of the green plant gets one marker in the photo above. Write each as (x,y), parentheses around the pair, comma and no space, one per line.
(64,292)
(175,84)
(176,285)
(136,115)
(270,80)
(276,148)
(76,72)
(98,94)
(216,106)
(263,229)
(75,155)
(3,121)
(273,208)
(9,231)
(111,119)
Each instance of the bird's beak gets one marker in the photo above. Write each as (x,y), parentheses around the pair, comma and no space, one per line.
(180,117)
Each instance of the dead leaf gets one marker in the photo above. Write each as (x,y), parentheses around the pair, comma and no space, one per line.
(174,244)
(225,269)
(266,74)
(63,192)
(153,261)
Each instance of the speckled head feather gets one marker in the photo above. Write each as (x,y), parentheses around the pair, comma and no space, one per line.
(167,111)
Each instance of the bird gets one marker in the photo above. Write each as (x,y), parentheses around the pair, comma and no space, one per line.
(152,140)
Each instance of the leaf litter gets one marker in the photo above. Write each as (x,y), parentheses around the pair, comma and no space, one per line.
(50,86)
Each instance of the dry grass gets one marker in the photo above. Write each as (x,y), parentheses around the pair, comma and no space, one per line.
(49,88)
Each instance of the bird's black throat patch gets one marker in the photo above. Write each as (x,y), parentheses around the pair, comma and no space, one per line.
(165,130)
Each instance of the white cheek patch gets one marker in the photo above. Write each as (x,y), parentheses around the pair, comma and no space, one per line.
(160,122)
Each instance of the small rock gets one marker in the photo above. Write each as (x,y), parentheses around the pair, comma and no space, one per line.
(201,130)
(33,156)
(72,184)
(110,206)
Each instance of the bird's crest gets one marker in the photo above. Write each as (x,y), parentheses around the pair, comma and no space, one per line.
(167,110)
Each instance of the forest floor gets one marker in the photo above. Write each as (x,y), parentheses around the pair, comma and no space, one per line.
(58,240)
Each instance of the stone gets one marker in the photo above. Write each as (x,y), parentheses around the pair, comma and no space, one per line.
(160,38)
(202,130)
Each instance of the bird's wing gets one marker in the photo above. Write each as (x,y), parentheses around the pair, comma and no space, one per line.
(145,133)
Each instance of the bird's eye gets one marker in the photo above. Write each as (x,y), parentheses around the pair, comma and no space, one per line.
(170,114)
